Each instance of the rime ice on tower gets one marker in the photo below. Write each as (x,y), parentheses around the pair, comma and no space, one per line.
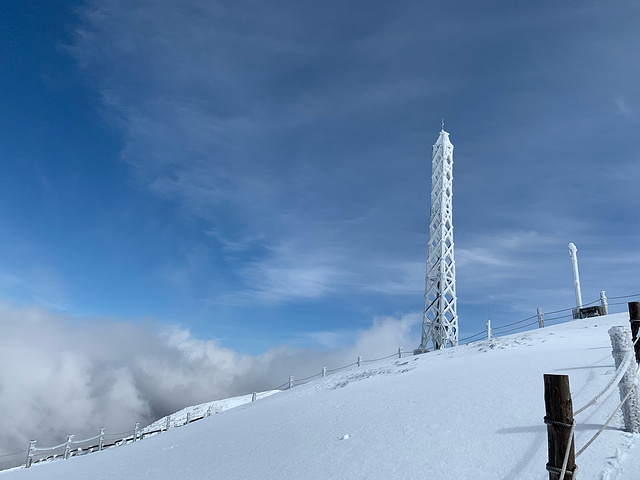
(439,317)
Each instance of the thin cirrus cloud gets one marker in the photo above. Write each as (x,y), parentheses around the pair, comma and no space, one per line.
(291,131)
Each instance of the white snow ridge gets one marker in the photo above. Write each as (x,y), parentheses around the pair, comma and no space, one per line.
(405,418)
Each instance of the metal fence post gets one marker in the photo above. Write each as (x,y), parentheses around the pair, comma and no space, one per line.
(32,451)
(540,318)
(101,441)
(359,360)
(67,448)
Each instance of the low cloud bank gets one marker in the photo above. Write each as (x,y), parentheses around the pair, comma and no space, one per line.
(60,376)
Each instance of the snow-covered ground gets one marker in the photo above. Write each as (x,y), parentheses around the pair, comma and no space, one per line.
(198,411)
(471,412)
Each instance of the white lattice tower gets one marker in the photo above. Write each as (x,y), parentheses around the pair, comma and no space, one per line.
(440,318)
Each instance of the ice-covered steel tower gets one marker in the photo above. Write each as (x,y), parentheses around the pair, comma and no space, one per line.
(440,317)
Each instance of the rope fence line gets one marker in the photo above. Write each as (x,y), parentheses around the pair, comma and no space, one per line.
(617,378)
(625,296)
(12,454)
(499,330)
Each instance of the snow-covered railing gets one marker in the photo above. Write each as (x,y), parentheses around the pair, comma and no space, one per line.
(625,377)
(540,320)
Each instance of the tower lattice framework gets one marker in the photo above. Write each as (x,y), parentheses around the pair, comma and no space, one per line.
(439,317)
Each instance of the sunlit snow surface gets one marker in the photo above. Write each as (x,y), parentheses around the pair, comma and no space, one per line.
(471,412)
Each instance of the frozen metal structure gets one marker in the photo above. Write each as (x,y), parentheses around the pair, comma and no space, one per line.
(573,252)
(439,317)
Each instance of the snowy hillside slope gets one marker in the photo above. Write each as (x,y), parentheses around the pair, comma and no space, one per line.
(197,411)
(471,412)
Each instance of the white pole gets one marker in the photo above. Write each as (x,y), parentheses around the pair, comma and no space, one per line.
(489,329)
(32,451)
(101,441)
(67,448)
(604,303)
(623,347)
(573,252)
(540,318)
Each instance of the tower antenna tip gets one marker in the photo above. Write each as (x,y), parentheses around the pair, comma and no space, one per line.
(442,126)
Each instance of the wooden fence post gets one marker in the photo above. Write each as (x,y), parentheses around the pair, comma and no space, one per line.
(540,318)
(359,360)
(67,448)
(32,451)
(254,396)
(559,420)
(634,318)
(604,303)
(622,349)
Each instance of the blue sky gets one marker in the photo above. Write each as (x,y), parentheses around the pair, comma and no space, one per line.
(259,172)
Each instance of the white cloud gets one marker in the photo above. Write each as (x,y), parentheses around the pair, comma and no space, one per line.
(61,376)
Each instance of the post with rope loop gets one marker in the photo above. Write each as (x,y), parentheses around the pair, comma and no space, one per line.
(32,451)
(101,440)
(67,448)
(540,318)
(560,426)
(622,347)
(634,318)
